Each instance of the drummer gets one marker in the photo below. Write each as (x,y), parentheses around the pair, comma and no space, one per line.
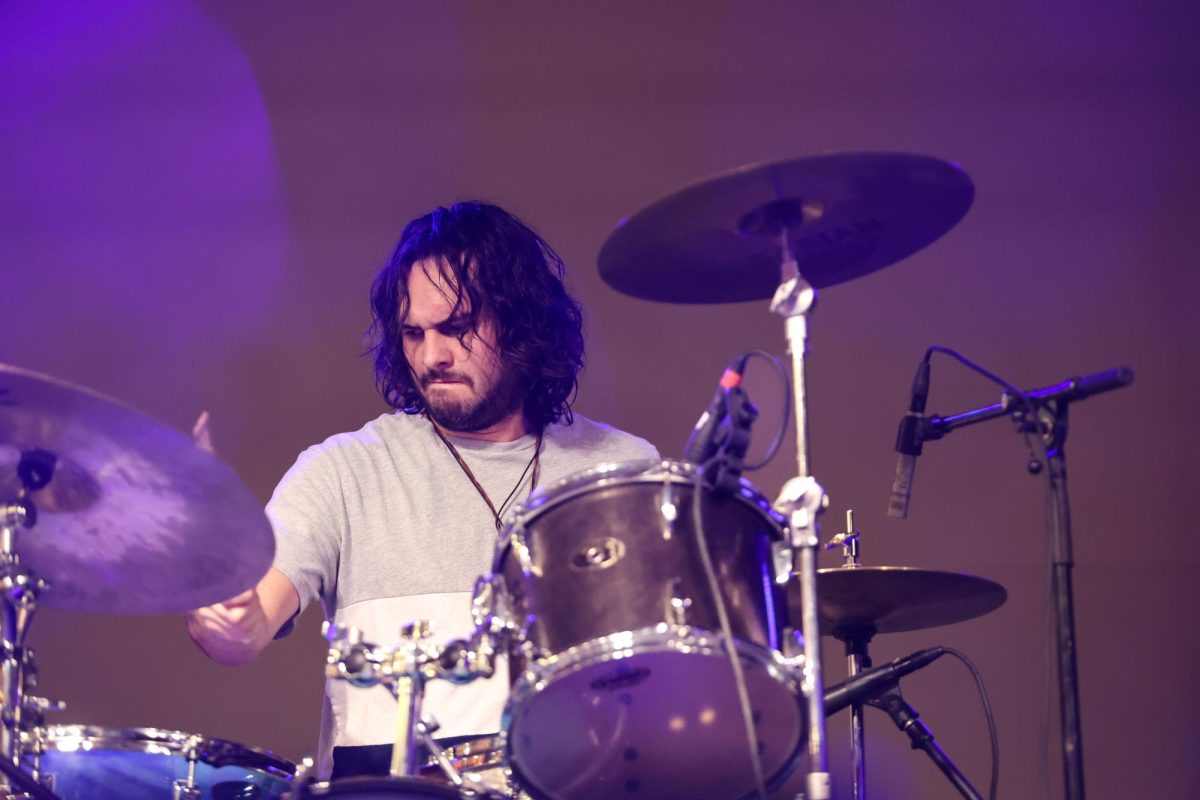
(477,349)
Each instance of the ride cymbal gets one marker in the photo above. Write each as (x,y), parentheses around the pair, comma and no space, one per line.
(847,215)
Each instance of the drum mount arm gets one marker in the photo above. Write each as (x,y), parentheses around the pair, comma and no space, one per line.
(404,668)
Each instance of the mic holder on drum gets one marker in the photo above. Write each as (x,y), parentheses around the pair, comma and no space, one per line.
(723,471)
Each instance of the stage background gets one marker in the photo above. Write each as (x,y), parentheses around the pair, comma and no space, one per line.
(197,195)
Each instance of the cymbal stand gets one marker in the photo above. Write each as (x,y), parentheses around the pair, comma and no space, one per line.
(20,590)
(856,638)
(801,500)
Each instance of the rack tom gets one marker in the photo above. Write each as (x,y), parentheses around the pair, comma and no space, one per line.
(622,686)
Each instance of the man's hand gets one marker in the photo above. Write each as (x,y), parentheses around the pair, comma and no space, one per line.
(233,632)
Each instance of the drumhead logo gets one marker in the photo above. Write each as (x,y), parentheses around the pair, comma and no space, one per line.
(622,678)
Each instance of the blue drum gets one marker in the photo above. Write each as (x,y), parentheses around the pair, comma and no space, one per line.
(85,763)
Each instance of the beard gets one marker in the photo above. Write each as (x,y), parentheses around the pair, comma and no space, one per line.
(502,399)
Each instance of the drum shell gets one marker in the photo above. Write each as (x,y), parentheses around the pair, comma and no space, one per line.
(621,554)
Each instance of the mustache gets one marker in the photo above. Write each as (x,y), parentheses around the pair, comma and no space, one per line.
(444,375)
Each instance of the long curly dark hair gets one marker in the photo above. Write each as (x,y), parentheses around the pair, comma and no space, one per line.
(502,268)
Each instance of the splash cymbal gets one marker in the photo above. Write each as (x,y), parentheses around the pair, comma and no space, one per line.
(894,599)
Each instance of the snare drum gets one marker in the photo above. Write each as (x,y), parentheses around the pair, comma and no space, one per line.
(86,763)
(480,761)
(622,686)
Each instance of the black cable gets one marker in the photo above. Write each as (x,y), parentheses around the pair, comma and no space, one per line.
(781,431)
(987,710)
(739,677)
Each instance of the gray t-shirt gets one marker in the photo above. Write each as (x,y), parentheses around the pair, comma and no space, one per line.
(384,527)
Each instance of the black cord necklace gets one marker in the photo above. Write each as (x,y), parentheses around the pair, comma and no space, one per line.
(535,463)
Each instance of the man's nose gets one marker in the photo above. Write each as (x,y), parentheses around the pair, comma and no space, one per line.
(438,351)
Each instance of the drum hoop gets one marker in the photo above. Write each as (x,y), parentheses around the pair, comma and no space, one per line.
(684,639)
(69,739)
(617,474)
(349,786)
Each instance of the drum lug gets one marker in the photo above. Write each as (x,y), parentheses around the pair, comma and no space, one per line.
(186,789)
(304,769)
(793,649)
(668,510)
(180,790)
(491,611)
(528,651)
(782,558)
(485,598)
(678,604)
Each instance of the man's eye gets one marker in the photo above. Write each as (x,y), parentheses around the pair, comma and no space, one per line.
(411,334)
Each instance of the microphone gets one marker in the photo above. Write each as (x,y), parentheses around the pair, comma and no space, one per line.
(908,443)
(868,684)
(1085,386)
(702,443)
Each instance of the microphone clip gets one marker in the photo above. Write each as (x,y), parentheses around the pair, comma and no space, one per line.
(723,471)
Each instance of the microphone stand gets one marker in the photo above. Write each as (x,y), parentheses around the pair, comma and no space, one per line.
(906,719)
(1050,405)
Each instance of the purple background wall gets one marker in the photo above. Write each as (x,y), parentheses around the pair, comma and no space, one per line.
(196,196)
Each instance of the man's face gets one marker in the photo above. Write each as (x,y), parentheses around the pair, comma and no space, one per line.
(467,388)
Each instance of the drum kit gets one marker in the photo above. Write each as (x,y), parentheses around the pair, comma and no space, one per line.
(663,628)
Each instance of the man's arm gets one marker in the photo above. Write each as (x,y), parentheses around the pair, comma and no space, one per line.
(232,633)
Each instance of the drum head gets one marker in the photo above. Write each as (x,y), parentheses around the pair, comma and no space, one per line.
(598,724)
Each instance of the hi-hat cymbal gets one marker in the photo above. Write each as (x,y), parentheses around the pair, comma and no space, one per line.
(847,214)
(893,599)
(135,518)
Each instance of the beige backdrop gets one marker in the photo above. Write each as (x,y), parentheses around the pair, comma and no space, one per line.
(196,196)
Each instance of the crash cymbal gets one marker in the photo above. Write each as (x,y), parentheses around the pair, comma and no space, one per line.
(893,599)
(135,519)
(848,214)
